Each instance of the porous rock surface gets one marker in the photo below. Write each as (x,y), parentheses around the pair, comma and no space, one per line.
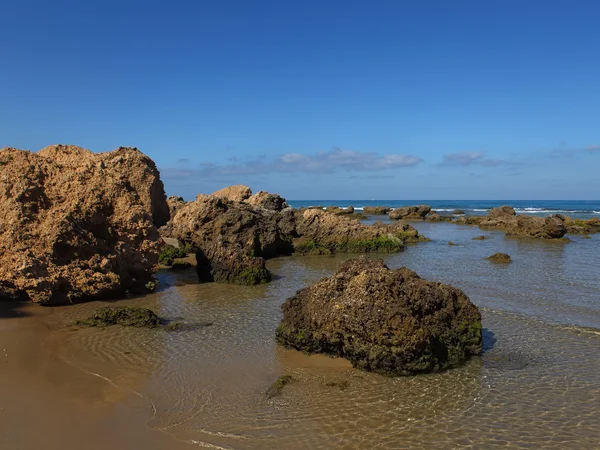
(78,225)
(234,238)
(410,212)
(388,321)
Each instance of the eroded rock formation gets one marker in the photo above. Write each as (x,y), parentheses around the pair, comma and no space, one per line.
(387,321)
(410,212)
(78,225)
(234,238)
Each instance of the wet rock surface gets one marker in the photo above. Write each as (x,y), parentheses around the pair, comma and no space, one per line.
(78,225)
(388,321)
(502,258)
(410,212)
(233,238)
(376,210)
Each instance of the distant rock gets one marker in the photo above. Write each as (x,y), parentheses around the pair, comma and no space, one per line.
(376,210)
(499,258)
(479,238)
(236,193)
(175,204)
(457,212)
(551,227)
(501,211)
(410,212)
(582,226)
(268,201)
(320,232)
(451,243)
(78,225)
(388,321)
(340,211)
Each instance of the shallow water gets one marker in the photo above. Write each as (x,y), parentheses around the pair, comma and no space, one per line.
(536,386)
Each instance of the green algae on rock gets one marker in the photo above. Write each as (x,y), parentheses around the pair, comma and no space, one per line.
(127,316)
(499,258)
(388,321)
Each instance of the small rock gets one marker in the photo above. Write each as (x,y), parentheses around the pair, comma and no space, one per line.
(499,258)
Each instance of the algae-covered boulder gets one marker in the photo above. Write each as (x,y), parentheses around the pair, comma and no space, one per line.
(388,321)
(410,212)
(127,316)
(320,232)
(502,258)
(78,225)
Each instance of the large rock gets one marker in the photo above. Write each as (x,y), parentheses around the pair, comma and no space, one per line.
(551,227)
(320,232)
(502,211)
(78,225)
(236,193)
(268,201)
(376,210)
(410,212)
(234,238)
(582,226)
(387,321)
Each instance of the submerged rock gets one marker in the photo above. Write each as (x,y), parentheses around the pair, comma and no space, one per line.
(479,238)
(499,258)
(410,212)
(127,316)
(388,321)
(458,212)
(78,225)
(277,387)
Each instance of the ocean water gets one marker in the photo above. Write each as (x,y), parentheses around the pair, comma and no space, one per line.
(537,384)
(583,209)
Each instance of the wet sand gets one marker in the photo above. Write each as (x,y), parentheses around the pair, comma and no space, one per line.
(46,403)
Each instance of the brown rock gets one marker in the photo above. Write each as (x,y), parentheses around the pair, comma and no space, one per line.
(78,225)
(502,211)
(233,238)
(175,204)
(268,201)
(376,210)
(479,238)
(551,227)
(582,226)
(387,321)
(499,258)
(323,233)
(457,212)
(236,193)
(410,212)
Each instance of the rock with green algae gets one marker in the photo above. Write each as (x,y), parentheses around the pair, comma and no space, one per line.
(388,321)
(499,258)
(127,316)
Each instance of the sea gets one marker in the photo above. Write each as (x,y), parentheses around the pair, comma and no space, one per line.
(536,385)
(583,209)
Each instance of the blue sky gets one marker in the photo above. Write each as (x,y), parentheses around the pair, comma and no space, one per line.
(317,99)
